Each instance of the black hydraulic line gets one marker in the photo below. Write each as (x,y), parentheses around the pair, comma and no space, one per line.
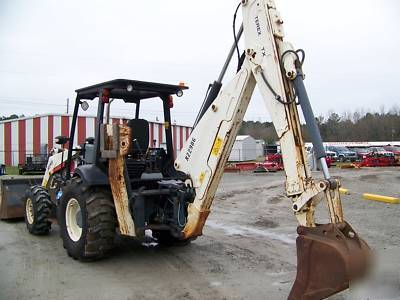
(168,128)
(234,34)
(137,110)
(71,138)
(99,121)
(216,86)
(308,113)
(212,95)
(230,54)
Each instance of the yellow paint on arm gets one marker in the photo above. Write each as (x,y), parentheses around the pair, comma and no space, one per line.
(217,146)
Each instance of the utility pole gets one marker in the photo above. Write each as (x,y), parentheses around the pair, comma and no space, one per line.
(67,106)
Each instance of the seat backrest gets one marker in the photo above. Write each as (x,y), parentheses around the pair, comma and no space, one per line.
(140,135)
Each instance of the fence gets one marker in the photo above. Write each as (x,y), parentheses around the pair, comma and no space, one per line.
(14,158)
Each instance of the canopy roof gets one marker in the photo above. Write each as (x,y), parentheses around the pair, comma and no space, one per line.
(131,91)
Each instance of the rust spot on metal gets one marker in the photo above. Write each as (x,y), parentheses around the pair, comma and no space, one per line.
(329,257)
(125,138)
(196,221)
(117,180)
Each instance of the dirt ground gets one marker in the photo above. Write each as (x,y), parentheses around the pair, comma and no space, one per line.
(247,250)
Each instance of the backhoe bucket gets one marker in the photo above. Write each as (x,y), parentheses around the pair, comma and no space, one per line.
(329,257)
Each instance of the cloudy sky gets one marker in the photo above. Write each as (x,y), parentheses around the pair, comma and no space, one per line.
(49,48)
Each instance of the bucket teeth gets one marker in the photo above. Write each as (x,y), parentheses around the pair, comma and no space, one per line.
(329,257)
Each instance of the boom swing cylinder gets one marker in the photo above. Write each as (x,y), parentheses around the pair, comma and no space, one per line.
(329,256)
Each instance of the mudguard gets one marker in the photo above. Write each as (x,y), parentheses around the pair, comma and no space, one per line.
(92,175)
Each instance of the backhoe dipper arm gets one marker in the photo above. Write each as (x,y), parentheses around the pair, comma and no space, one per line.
(326,253)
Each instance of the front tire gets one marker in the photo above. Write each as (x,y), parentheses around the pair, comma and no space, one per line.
(87,220)
(38,210)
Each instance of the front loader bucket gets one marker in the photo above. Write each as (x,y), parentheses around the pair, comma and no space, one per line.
(329,257)
(12,192)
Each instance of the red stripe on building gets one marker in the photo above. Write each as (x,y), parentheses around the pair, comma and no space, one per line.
(160,136)
(151,135)
(21,141)
(180,137)
(81,130)
(174,138)
(187,133)
(36,135)
(50,138)
(65,128)
(7,144)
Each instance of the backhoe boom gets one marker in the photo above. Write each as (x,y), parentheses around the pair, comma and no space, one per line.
(276,68)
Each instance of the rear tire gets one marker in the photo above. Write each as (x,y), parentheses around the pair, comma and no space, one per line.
(38,210)
(87,220)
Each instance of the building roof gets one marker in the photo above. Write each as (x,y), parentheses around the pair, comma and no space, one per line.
(86,116)
(243,137)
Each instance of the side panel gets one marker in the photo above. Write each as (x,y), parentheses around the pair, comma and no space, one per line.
(7,144)
(36,136)
(14,143)
(44,134)
(65,127)
(57,126)
(160,135)
(50,133)
(81,130)
(1,144)
(22,141)
(76,130)
(89,127)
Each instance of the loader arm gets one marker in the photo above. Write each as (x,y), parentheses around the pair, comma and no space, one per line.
(274,66)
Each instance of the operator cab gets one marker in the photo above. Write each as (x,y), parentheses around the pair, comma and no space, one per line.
(158,196)
(145,161)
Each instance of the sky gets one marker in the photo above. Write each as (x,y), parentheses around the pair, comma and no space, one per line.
(50,48)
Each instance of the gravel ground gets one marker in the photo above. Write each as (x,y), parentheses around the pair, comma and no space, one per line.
(247,250)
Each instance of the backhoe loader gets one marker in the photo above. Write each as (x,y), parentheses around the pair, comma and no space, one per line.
(116,183)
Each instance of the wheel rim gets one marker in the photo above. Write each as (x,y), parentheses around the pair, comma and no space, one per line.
(29,210)
(73,219)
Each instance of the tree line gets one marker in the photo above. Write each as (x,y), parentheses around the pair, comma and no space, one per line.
(11,117)
(359,126)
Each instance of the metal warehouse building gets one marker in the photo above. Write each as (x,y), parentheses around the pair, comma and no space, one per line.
(35,135)
(244,149)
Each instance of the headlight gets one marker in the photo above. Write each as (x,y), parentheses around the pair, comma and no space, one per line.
(129,87)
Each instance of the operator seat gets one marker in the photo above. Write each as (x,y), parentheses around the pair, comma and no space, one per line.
(140,136)
(135,162)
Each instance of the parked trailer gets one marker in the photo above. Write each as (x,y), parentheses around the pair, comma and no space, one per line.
(12,191)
